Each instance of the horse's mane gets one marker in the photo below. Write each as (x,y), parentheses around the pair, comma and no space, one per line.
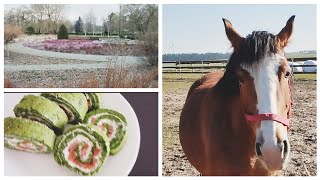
(253,49)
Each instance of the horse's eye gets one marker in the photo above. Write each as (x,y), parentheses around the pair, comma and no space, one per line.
(287,74)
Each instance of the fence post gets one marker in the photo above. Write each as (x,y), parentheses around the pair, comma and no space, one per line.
(292,69)
(192,67)
(180,69)
(202,67)
(176,66)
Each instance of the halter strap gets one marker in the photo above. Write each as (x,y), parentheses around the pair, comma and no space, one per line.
(267,116)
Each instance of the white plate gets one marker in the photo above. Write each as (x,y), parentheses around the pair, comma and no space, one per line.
(18,163)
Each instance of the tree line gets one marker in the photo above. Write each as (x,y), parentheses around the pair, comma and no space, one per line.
(214,56)
(47,18)
(42,18)
(195,56)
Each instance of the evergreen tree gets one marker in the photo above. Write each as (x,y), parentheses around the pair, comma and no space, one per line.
(30,30)
(79,26)
(63,32)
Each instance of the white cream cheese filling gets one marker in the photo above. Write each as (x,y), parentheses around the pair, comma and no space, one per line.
(26,145)
(82,139)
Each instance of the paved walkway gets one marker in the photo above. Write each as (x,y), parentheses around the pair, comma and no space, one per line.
(54,67)
(19,48)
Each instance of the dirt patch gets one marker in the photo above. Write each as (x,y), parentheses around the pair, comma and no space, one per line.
(128,77)
(108,75)
(302,134)
(26,59)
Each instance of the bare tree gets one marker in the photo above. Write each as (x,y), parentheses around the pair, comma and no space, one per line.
(90,22)
(53,13)
(110,23)
(10,33)
(141,15)
(21,16)
(48,16)
(39,15)
(151,23)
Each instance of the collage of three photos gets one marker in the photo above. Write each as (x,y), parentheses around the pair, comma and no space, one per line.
(237,85)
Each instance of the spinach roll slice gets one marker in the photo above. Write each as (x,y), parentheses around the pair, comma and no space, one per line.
(112,123)
(73,104)
(82,148)
(93,100)
(40,109)
(27,135)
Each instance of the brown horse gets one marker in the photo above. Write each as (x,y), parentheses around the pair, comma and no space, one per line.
(236,123)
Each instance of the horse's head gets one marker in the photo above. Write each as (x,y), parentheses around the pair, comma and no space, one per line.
(264,77)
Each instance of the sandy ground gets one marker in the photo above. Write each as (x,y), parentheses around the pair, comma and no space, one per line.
(302,134)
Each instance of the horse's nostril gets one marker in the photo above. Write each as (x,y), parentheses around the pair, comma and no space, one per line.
(281,146)
(258,151)
(285,149)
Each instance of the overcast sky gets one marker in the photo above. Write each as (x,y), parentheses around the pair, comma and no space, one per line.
(199,28)
(72,11)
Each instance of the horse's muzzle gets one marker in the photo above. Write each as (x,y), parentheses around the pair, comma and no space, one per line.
(273,156)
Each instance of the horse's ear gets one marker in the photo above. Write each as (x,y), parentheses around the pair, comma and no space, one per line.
(285,33)
(232,34)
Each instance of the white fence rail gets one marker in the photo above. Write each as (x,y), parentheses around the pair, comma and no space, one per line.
(306,65)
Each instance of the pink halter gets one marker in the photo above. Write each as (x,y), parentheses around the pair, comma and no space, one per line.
(268,116)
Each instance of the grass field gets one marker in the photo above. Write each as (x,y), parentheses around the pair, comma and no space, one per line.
(300,55)
(194,65)
(305,77)
(169,67)
(177,81)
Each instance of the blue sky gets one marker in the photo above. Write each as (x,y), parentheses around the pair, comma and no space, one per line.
(199,28)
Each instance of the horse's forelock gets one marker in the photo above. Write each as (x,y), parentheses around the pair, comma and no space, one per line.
(256,46)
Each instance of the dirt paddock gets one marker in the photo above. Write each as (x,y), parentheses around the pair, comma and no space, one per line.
(302,133)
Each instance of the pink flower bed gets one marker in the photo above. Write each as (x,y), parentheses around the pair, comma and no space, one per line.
(85,46)
(63,45)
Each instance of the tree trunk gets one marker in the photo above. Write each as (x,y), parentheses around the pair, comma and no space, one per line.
(7,50)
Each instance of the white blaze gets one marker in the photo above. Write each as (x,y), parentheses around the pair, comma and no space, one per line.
(265,75)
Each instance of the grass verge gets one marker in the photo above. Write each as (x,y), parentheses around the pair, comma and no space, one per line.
(183,81)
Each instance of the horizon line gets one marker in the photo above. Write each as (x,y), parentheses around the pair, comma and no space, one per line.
(232,52)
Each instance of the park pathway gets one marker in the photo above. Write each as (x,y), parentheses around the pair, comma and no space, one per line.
(19,48)
(53,67)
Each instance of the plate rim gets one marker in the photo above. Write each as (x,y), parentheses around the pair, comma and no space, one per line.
(136,151)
